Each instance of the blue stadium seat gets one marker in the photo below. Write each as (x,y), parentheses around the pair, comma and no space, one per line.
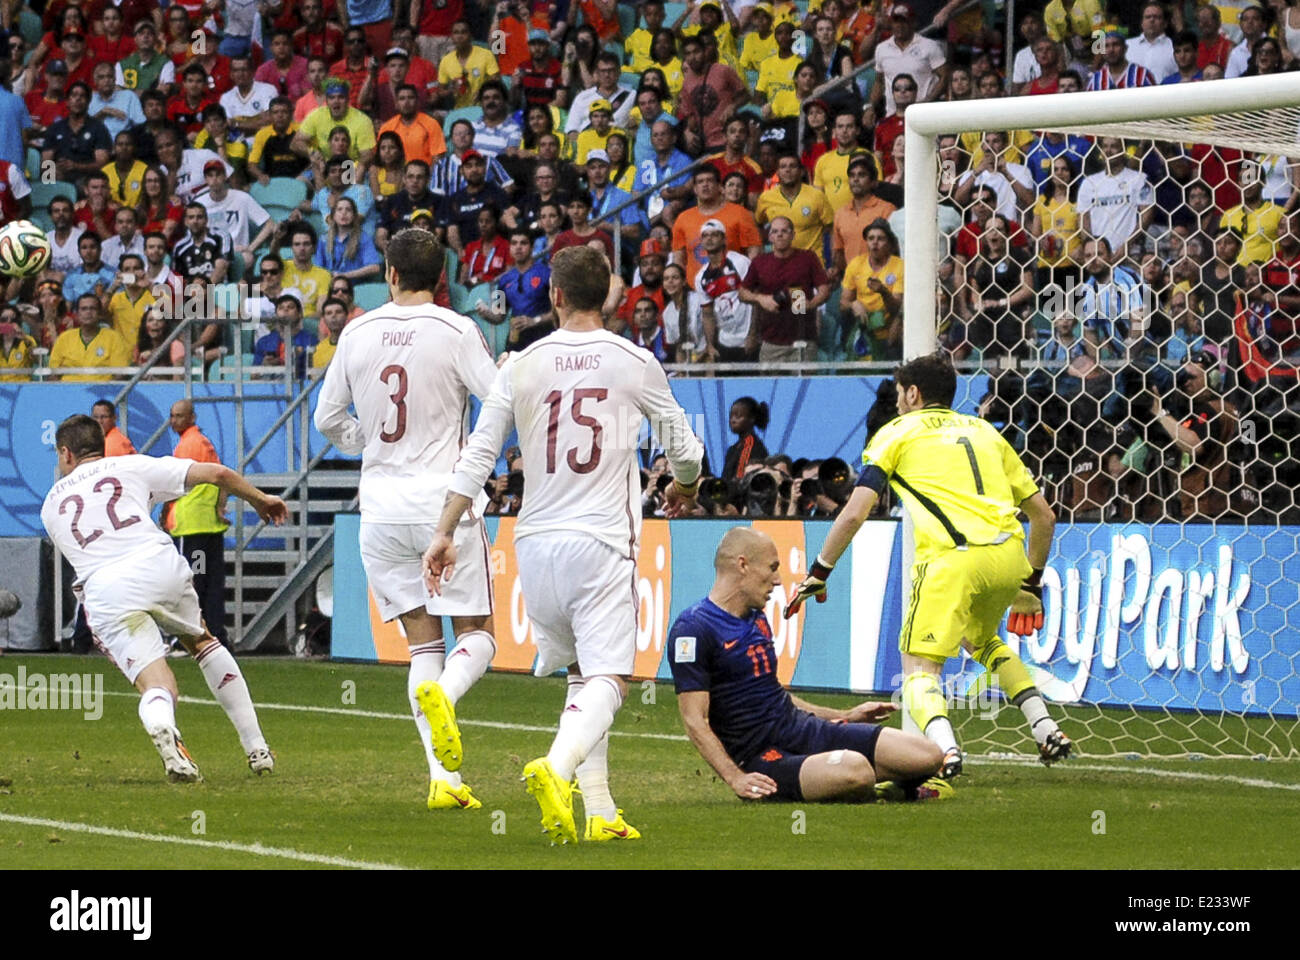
(671,12)
(367,296)
(616,48)
(461,113)
(29,25)
(43,193)
(42,219)
(627,18)
(32,168)
(282,193)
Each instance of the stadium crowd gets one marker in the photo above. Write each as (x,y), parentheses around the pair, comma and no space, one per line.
(1134,301)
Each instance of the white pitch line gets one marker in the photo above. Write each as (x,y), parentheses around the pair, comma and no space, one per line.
(376,715)
(987,761)
(282,853)
(1145,771)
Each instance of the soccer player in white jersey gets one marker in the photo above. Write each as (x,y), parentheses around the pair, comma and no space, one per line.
(133,584)
(409,367)
(577,398)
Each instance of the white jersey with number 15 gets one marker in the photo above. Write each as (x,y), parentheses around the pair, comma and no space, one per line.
(578,401)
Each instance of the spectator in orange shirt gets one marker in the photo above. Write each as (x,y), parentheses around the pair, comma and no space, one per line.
(116,443)
(742,230)
(420,134)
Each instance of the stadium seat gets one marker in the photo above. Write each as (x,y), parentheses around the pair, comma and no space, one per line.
(42,219)
(32,168)
(317,223)
(616,48)
(627,18)
(672,11)
(461,113)
(367,296)
(29,25)
(282,193)
(43,193)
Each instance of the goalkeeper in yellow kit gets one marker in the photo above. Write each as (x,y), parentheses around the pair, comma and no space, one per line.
(963,486)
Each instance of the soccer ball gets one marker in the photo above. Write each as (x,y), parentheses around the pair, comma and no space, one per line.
(24,249)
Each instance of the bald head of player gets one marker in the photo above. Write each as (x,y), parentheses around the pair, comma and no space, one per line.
(182,416)
(414,263)
(746,567)
(928,381)
(580,279)
(78,439)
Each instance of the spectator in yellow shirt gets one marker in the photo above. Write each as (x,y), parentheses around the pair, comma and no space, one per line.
(334,315)
(1073,22)
(596,135)
(831,174)
(15,346)
(760,43)
(1257,220)
(464,69)
(805,206)
(89,344)
(710,18)
(637,46)
(313,137)
(873,293)
(126,307)
(777,72)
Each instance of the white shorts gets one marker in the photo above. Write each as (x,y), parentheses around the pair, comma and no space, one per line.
(581,597)
(129,607)
(393,556)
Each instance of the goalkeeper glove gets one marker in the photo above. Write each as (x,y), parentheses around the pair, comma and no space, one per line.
(1027,609)
(813,585)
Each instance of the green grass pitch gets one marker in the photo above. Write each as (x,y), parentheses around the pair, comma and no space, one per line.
(352,787)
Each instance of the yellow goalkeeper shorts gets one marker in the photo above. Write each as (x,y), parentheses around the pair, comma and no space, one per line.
(961,595)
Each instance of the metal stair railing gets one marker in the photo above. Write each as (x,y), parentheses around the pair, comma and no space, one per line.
(281,602)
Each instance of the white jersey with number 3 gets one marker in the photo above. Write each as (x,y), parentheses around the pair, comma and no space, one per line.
(98,515)
(409,372)
(578,400)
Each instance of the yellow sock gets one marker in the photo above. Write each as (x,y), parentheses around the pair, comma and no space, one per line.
(923,700)
(998,659)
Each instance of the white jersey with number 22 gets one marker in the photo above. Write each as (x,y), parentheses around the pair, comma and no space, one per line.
(98,515)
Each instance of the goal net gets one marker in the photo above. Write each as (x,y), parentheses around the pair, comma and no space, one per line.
(1120,273)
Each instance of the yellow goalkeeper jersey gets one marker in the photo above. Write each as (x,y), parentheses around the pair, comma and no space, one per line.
(958,478)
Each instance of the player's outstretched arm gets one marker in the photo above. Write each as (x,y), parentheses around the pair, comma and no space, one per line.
(841,534)
(269,507)
(694,708)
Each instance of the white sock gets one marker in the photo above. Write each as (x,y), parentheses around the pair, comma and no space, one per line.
(227,684)
(586,719)
(469,661)
(939,730)
(593,772)
(157,709)
(426,665)
(1040,724)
